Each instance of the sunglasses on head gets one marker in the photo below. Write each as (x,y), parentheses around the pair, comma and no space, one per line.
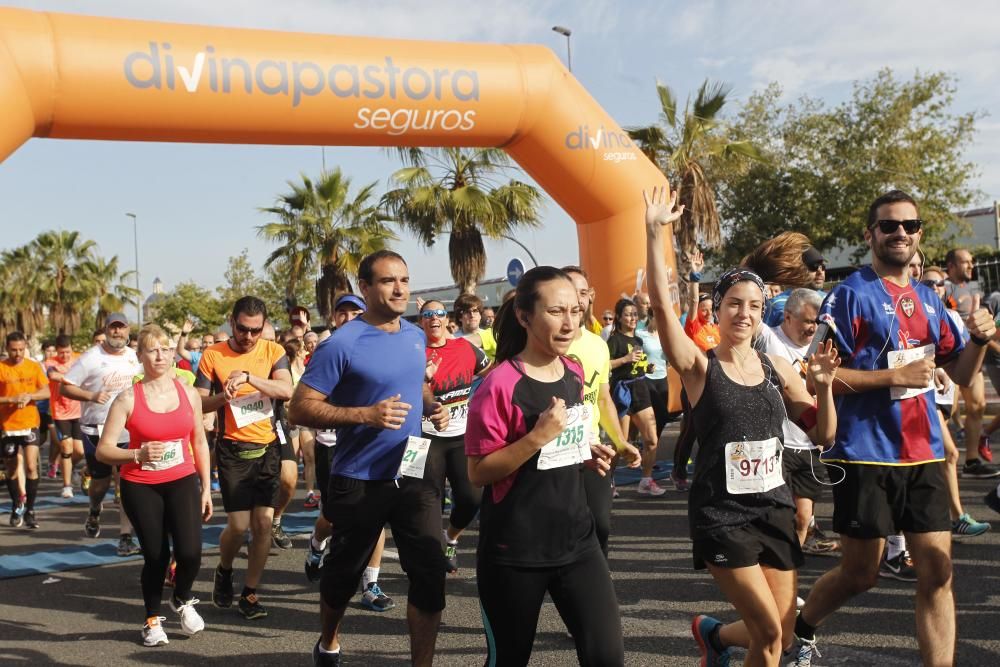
(817,267)
(247,330)
(890,226)
(437,312)
(933,283)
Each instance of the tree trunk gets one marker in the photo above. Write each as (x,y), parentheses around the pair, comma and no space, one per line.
(467,256)
(332,283)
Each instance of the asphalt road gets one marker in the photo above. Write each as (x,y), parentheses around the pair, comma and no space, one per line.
(93,616)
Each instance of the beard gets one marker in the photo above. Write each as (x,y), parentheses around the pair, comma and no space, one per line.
(894,257)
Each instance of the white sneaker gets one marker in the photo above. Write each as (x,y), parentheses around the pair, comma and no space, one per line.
(191,621)
(67,492)
(799,602)
(152,632)
(649,487)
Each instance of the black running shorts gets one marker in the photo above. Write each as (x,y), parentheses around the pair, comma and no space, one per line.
(248,480)
(69,428)
(880,500)
(799,466)
(769,540)
(10,443)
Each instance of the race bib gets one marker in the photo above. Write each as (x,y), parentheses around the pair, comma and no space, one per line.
(900,358)
(172,456)
(251,408)
(753,466)
(572,446)
(415,457)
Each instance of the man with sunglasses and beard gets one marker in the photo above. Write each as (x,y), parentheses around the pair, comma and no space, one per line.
(891,333)
(241,379)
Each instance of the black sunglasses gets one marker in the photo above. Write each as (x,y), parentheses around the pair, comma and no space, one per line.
(817,266)
(247,330)
(437,312)
(933,283)
(890,226)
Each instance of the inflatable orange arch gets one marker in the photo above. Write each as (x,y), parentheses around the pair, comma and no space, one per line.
(81,77)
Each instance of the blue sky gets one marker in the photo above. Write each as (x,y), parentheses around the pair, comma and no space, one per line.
(197,204)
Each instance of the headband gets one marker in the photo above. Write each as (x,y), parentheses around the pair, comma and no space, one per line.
(730,278)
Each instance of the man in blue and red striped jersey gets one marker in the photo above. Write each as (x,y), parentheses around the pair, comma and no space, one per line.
(891,333)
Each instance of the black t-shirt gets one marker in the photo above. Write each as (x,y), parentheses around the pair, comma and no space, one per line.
(620,345)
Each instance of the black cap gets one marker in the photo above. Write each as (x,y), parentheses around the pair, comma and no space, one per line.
(812,257)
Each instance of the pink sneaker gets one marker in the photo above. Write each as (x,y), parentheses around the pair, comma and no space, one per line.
(649,487)
(985,452)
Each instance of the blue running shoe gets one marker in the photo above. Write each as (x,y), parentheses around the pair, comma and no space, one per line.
(702,628)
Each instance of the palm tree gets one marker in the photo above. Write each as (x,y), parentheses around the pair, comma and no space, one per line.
(110,289)
(20,308)
(687,149)
(322,228)
(61,283)
(453,191)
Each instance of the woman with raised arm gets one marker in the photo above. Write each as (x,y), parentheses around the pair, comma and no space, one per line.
(741,514)
(528,430)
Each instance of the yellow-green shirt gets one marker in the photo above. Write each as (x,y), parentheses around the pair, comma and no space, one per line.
(591,352)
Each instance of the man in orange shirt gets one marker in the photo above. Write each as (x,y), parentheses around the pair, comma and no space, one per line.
(65,411)
(22,383)
(241,379)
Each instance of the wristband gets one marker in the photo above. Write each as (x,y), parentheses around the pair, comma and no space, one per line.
(981,342)
(694,277)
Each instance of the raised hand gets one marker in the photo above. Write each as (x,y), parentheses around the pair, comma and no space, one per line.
(823,364)
(660,212)
(187,327)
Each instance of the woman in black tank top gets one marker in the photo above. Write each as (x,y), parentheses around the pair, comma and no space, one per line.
(741,513)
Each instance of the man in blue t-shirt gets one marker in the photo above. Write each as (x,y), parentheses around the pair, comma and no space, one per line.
(891,333)
(365,382)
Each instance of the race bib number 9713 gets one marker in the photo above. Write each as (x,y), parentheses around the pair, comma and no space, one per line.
(753,466)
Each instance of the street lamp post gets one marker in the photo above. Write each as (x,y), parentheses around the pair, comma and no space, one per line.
(565,32)
(135,238)
(523,247)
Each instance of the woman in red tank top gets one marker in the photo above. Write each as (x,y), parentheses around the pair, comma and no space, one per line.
(164,479)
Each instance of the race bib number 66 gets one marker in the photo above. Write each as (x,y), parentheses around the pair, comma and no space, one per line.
(753,466)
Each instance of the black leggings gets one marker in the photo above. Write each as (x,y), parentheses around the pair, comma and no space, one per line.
(446,458)
(511,598)
(658,396)
(599,495)
(685,441)
(159,511)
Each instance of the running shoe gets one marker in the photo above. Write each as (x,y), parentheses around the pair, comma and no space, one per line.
(251,608)
(92,527)
(152,632)
(17,516)
(222,592)
(67,492)
(279,538)
(804,653)
(976,469)
(170,580)
(679,483)
(373,598)
(985,452)
(323,659)
(312,502)
(51,474)
(85,483)
(314,563)
(30,521)
(992,500)
(899,568)
(649,487)
(127,546)
(215,486)
(191,620)
(965,525)
(118,495)
(614,490)
(451,555)
(702,628)
(817,544)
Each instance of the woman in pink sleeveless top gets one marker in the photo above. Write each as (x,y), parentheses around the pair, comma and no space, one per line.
(164,479)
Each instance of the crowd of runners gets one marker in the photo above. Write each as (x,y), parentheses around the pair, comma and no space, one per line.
(517,417)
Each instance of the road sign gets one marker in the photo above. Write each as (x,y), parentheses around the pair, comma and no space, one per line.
(515,269)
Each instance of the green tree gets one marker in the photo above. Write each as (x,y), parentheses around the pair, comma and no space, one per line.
(109,286)
(825,165)
(689,148)
(239,280)
(190,300)
(20,307)
(62,285)
(456,191)
(322,228)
